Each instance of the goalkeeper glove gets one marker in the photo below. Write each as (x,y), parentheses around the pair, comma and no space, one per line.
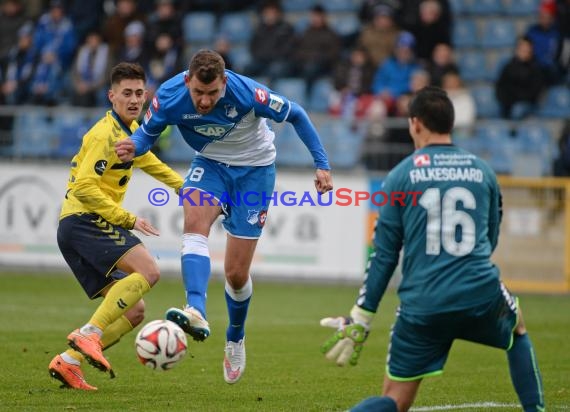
(347,342)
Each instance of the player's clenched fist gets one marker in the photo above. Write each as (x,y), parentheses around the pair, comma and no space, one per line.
(347,342)
(125,150)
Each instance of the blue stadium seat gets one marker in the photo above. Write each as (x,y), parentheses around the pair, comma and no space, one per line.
(498,33)
(34,134)
(521,7)
(472,65)
(291,151)
(240,58)
(320,95)
(500,147)
(298,5)
(556,103)
(495,65)
(70,127)
(485,101)
(458,7)
(236,27)
(332,6)
(293,88)
(535,150)
(342,141)
(344,24)
(465,33)
(484,7)
(199,27)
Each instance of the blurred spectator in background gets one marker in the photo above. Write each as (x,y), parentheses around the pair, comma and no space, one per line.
(46,83)
(520,82)
(352,79)
(89,73)
(134,50)
(19,67)
(86,16)
(463,104)
(367,9)
(114,26)
(164,62)
(272,44)
(430,30)
(223,47)
(379,36)
(317,50)
(546,41)
(442,62)
(55,34)
(562,162)
(165,19)
(419,79)
(392,78)
(563,13)
(409,14)
(12,18)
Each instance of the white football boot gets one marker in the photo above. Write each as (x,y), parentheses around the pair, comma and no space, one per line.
(234,360)
(191,321)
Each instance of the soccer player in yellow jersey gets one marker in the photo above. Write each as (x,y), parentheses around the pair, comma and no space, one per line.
(94,231)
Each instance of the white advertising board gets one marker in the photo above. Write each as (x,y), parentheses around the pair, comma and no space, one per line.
(327,242)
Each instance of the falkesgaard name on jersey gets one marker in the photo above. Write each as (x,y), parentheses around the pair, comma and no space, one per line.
(438,174)
(213,130)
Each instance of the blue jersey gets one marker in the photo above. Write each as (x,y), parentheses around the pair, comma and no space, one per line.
(444,209)
(235,132)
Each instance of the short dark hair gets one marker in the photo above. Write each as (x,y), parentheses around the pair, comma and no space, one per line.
(433,107)
(207,65)
(126,70)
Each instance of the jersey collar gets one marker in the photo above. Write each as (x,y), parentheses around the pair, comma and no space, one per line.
(121,123)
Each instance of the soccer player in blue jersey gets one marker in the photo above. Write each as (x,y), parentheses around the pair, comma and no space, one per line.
(448,227)
(223,116)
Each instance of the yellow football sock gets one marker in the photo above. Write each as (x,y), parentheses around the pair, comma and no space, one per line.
(122,296)
(75,355)
(115,331)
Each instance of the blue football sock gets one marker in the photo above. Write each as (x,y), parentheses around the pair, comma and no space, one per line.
(195,270)
(376,404)
(525,374)
(238,303)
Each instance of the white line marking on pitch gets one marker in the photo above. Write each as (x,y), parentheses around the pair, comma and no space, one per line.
(465,406)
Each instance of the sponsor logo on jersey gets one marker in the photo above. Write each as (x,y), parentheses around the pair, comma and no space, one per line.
(231,111)
(261,95)
(276,102)
(213,130)
(100,166)
(147,116)
(190,116)
(422,160)
(155,104)
(253,217)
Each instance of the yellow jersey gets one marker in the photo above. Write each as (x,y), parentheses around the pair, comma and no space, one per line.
(98,179)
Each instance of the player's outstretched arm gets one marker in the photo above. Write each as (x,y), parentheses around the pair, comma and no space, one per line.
(345,345)
(145,227)
(125,150)
(323,181)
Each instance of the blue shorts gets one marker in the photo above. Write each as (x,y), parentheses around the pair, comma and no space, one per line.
(91,246)
(243,192)
(419,345)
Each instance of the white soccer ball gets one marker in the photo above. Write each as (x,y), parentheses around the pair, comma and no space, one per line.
(161,344)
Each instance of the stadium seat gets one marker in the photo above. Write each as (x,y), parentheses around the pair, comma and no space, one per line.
(298,5)
(498,33)
(342,141)
(495,64)
(291,152)
(472,65)
(236,27)
(344,24)
(293,88)
(34,134)
(458,7)
(332,6)
(240,57)
(483,7)
(535,139)
(199,27)
(465,33)
(485,101)
(556,103)
(320,95)
(70,127)
(521,7)
(499,146)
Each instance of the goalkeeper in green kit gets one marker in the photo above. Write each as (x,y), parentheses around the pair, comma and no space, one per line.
(450,289)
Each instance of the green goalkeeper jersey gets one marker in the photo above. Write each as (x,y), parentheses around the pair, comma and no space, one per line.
(443,209)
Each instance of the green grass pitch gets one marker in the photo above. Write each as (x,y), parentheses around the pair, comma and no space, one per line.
(285,370)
